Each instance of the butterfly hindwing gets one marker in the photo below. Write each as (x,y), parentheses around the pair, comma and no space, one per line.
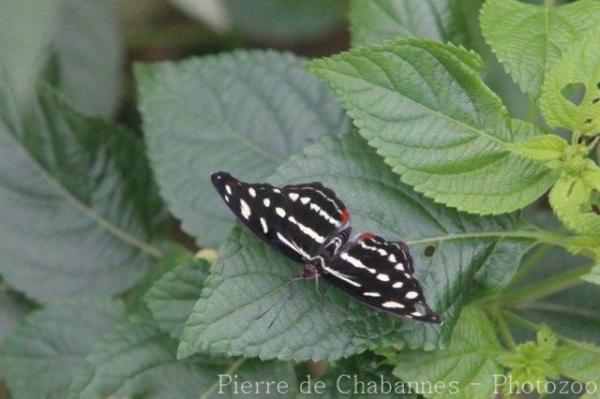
(297,220)
(380,274)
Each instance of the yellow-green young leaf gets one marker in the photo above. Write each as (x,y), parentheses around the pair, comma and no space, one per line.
(532,361)
(374,21)
(580,65)
(547,147)
(583,243)
(425,109)
(468,367)
(594,276)
(571,200)
(529,39)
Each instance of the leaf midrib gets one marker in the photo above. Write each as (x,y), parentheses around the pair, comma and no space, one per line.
(86,210)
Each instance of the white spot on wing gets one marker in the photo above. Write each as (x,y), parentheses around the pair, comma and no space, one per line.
(263,223)
(399,266)
(383,277)
(417,314)
(252,192)
(412,294)
(373,294)
(228,189)
(382,252)
(392,258)
(245,209)
(294,196)
(292,246)
(392,305)
(267,202)
(280,211)
(342,276)
(305,200)
(398,284)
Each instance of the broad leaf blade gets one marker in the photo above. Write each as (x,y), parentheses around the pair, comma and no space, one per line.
(528,39)
(76,202)
(423,106)
(250,285)
(44,353)
(580,361)
(137,359)
(244,112)
(172,297)
(468,367)
(378,20)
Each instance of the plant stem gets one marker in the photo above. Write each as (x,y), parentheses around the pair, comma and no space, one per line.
(538,290)
(504,330)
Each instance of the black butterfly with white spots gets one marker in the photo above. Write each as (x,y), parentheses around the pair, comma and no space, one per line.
(310,224)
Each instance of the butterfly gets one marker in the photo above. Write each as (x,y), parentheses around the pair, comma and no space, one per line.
(308,223)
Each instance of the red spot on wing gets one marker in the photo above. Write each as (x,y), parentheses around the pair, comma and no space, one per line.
(367,236)
(345,216)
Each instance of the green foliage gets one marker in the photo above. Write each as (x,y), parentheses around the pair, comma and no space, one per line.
(436,160)
(244,112)
(529,39)
(436,123)
(467,368)
(579,65)
(138,360)
(378,20)
(469,248)
(46,350)
(77,202)
(79,38)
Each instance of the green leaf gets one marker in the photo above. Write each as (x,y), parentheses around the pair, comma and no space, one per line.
(250,286)
(243,112)
(594,276)
(276,21)
(87,47)
(532,361)
(425,109)
(529,39)
(468,367)
(43,354)
(171,299)
(80,36)
(547,147)
(138,360)
(11,311)
(378,20)
(580,65)
(580,361)
(571,201)
(77,205)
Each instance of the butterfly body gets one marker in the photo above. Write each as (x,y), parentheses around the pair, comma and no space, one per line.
(309,224)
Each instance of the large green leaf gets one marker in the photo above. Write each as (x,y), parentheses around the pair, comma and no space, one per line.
(528,39)
(44,353)
(244,112)
(88,49)
(378,20)
(76,204)
(250,279)
(138,360)
(80,35)
(467,368)
(172,297)
(423,106)
(580,362)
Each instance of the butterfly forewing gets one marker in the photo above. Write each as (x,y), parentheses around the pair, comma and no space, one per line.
(297,220)
(379,273)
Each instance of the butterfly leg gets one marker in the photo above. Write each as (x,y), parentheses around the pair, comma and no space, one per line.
(311,271)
